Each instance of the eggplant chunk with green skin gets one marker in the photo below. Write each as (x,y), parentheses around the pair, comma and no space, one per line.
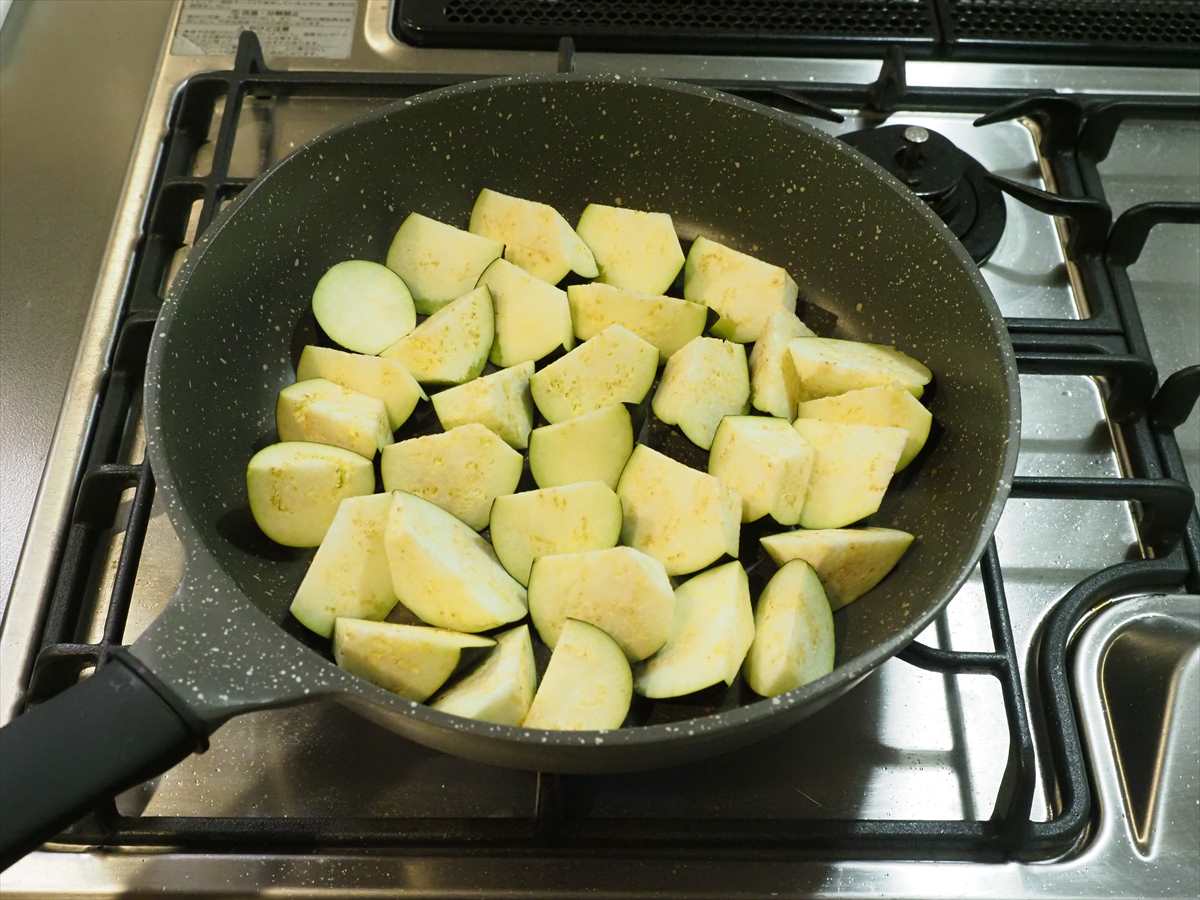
(438,262)
(702,383)
(295,488)
(444,572)
(535,236)
(591,447)
(588,685)
(321,412)
(773,385)
(567,519)
(634,250)
(683,518)
(767,462)
(410,660)
(882,406)
(385,379)
(452,345)
(744,291)
(793,632)
(620,590)
(501,688)
(616,366)
(349,575)
(462,470)
(852,467)
(532,317)
(363,306)
(849,561)
(666,322)
(826,367)
(499,401)
(712,630)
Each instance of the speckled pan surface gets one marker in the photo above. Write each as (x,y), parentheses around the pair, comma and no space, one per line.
(859,244)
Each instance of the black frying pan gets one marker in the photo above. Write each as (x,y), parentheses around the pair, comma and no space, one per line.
(861,246)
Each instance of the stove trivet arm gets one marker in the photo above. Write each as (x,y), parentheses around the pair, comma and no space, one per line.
(886,91)
(566,55)
(1132,228)
(1090,218)
(1102,120)
(1014,798)
(1166,503)
(1176,399)
(1058,118)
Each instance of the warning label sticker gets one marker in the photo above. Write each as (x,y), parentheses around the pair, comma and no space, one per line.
(298,28)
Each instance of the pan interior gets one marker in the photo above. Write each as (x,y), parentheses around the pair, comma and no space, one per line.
(872,264)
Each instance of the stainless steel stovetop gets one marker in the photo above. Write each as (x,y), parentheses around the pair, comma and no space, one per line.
(908,744)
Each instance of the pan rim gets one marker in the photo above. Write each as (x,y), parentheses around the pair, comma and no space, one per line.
(843,677)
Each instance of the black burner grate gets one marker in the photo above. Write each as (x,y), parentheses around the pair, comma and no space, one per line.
(1110,345)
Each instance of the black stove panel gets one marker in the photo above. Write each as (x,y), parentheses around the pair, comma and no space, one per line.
(1139,32)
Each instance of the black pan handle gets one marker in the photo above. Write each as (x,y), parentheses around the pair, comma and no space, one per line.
(99,737)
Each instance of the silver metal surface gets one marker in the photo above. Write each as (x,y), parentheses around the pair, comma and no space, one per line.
(91,62)
(907,743)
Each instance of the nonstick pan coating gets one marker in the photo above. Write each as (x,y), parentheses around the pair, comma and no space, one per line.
(869,256)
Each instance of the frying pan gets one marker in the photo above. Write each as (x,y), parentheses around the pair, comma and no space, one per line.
(862,247)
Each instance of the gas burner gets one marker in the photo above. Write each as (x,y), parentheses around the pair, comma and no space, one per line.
(954,184)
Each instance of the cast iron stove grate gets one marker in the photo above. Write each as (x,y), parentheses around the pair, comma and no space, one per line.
(1110,344)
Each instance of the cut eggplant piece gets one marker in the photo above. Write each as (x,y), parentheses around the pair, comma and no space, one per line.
(444,572)
(711,632)
(666,322)
(439,262)
(773,385)
(321,412)
(588,685)
(532,317)
(386,379)
(852,467)
(451,346)
(499,401)
(349,574)
(567,519)
(634,250)
(793,632)
(535,236)
(849,561)
(621,590)
(703,383)
(826,367)
(591,447)
(363,306)
(767,462)
(683,518)
(295,488)
(461,470)
(616,366)
(410,660)
(500,689)
(744,291)
(882,406)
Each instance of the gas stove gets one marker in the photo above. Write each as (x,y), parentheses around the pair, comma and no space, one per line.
(1041,739)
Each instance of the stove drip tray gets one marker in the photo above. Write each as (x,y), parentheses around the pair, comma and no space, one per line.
(951,182)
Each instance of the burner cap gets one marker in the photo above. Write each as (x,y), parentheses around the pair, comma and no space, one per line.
(953,184)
